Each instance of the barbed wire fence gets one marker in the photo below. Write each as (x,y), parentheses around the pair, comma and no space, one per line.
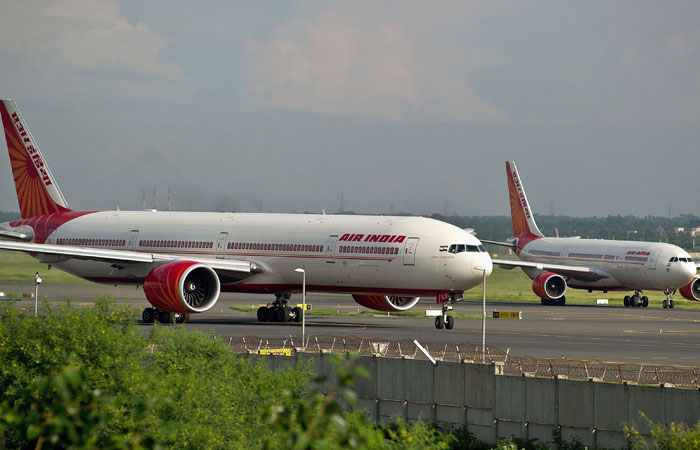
(506,364)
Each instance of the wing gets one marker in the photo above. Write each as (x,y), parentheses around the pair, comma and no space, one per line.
(57,253)
(578,272)
(511,245)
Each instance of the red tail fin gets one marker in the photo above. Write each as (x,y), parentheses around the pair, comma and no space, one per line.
(37,192)
(523,221)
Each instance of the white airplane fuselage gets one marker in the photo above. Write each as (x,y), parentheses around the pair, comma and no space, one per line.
(340,253)
(629,265)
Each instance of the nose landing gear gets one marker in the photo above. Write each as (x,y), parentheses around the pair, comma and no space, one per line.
(668,303)
(443,320)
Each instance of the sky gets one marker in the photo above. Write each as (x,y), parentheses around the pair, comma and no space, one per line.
(378,107)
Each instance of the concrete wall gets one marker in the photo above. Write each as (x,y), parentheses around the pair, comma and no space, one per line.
(495,406)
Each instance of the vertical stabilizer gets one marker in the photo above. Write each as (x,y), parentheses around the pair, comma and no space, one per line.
(37,192)
(523,221)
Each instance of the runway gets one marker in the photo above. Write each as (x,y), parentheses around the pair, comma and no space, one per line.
(605,333)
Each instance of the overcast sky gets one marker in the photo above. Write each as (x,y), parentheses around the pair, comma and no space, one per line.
(409,106)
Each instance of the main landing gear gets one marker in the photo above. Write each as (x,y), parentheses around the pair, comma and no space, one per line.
(443,320)
(150,315)
(636,300)
(561,301)
(668,303)
(278,311)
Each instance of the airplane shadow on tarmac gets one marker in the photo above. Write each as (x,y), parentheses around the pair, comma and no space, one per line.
(252,322)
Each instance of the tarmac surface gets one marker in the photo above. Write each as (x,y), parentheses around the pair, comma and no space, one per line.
(605,333)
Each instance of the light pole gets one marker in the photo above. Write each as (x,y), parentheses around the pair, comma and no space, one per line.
(303,304)
(37,282)
(483,312)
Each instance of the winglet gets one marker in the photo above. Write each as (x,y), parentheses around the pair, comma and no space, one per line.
(523,221)
(37,192)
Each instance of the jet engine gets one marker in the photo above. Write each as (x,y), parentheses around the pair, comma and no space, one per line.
(549,286)
(386,302)
(691,291)
(182,287)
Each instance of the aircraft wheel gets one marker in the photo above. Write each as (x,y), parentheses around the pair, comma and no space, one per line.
(298,313)
(283,314)
(439,322)
(263,315)
(665,304)
(627,301)
(671,304)
(645,301)
(545,301)
(165,317)
(180,318)
(561,301)
(148,315)
(450,322)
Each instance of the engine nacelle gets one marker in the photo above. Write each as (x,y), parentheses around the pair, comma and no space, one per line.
(386,302)
(549,286)
(691,291)
(182,287)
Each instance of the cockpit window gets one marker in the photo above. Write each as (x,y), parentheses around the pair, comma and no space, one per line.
(673,259)
(683,259)
(459,248)
(482,249)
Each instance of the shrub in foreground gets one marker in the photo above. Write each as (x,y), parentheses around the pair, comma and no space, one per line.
(86,378)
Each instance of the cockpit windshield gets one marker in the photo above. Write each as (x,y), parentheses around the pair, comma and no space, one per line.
(681,259)
(459,248)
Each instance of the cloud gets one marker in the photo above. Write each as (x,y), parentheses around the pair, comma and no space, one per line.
(382,66)
(680,45)
(84,35)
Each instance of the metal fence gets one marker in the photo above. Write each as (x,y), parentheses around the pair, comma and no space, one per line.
(632,373)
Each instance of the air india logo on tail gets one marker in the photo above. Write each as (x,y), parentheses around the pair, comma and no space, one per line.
(31,149)
(521,194)
(518,211)
(37,193)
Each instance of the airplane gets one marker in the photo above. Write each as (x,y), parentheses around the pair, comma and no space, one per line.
(184,260)
(555,263)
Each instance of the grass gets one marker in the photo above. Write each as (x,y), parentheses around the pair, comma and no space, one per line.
(17,267)
(502,285)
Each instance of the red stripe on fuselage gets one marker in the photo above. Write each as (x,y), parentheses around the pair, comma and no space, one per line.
(43,226)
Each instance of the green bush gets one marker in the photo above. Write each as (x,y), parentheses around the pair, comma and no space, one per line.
(673,437)
(172,388)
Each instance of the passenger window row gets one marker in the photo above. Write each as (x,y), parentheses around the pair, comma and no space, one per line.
(371,250)
(92,242)
(275,247)
(157,243)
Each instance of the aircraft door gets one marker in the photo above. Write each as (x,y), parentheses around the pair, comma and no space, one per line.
(221,245)
(330,248)
(652,260)
(409,251)
(133,239)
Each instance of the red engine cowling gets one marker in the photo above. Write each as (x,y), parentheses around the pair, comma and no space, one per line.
(691,291)
(549,286)
(386,302)
(182,287)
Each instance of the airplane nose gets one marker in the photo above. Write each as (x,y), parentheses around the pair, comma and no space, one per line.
(690,270)
(482,264)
